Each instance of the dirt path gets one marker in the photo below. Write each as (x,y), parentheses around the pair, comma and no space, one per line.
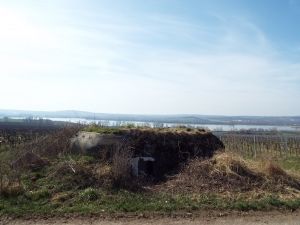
(261,218)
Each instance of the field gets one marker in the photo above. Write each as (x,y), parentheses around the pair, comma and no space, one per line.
(253,144)
(257,171)
(281,147)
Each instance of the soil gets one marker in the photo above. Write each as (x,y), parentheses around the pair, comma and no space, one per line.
(253,218)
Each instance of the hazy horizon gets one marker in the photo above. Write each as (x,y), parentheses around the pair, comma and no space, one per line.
(148,114)
(156,58)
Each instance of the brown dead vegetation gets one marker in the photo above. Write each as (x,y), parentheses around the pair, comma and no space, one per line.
(29,161)
(190,158)
(121,166)
(10,181)
(74,176)
(226,172)
(49,146)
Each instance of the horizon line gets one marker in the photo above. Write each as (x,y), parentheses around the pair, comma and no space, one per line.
(141,114)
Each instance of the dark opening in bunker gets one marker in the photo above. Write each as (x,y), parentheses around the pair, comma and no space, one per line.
(146,167)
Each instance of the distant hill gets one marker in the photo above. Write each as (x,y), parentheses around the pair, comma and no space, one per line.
(187,119)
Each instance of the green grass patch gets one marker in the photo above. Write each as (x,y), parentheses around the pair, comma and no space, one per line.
(37,195)
(89,194)
(291,163)
(99,201)
(102,130)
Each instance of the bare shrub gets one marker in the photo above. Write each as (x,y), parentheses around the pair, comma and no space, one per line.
(51,145)
(72,175)
(121,166)
(4,169)
(10,181)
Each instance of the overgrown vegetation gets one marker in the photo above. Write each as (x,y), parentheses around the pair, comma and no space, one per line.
(121,166)
(229,173)
(78,183)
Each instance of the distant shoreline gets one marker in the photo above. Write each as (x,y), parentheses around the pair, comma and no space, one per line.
(211,126)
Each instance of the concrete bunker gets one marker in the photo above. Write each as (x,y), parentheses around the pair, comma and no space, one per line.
(156,151)
(142,166)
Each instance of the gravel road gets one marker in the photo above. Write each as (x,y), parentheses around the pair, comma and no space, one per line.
(252,219)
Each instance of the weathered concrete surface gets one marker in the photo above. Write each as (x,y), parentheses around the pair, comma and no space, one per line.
(91,142)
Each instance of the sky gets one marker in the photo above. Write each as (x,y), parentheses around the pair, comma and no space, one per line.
(210,57)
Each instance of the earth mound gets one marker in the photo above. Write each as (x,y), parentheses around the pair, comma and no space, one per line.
(226,172)
(155,151)
(171,148)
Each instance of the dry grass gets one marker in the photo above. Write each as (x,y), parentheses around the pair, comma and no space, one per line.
(121,165)
(227,172)
(72,176)
(10,180)
(51,145)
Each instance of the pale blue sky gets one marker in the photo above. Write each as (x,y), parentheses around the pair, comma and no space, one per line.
(221,57)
